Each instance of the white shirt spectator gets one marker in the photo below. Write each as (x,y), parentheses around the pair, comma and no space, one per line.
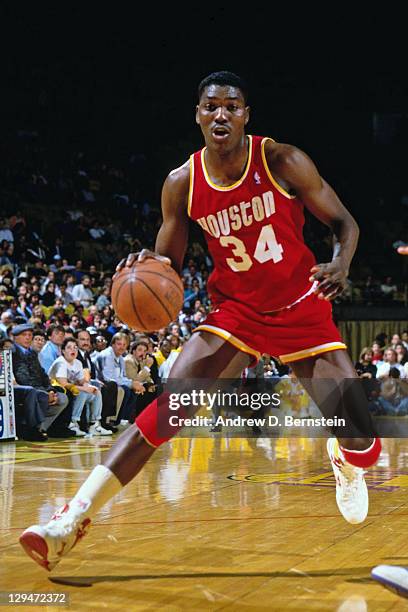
(387,288)
(166,366)
(83,295)
(73,372)
(383,369)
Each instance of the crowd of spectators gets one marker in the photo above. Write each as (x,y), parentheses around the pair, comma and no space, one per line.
(77,368)
(383,366)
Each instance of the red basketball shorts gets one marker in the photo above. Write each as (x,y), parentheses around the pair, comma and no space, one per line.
(301,330)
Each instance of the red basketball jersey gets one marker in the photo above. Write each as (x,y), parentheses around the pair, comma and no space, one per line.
(254,233)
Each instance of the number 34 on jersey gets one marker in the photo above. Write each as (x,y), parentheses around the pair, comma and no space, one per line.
(267,248)
(243,215)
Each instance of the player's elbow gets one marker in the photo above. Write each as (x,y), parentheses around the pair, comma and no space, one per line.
(345,224)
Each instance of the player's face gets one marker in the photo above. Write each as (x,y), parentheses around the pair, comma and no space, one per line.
(222,116)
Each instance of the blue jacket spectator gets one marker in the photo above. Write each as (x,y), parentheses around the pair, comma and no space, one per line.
(52,349)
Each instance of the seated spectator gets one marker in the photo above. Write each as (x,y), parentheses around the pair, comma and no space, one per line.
(39,340)
(175,342)
(107,312)
(92,312)
(42,403)
(103,329)
(270,369)
(110,365)
(402,353)
(104,299)
(100,344)
(65,295)
(5,321)
(393,397)
(377,353)
(136,363)
(382,339)
(395,339)
(388,290)
(59,314)
(109,390)
(49,296)
(13,309)
(68,371)
(163,352)
(6,344)
(390,361)
(165,368)
(52,348)
(82,293)
(23,310)
(142,367)
(5,231)
(75,323)
(116,326)
(364,366)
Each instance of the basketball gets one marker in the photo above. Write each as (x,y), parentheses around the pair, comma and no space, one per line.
(148,295)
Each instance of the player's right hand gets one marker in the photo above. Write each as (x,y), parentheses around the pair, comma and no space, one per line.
(141,256)
(403,250)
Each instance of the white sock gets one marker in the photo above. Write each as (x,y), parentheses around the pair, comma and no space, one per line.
(100,486)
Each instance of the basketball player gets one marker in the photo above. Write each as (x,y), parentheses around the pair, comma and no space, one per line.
(268,295)
(393,576)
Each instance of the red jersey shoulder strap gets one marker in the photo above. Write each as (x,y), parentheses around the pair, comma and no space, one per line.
(274,182)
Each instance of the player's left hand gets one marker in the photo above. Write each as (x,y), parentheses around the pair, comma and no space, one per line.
(141,256)
(403,250)
(331,277)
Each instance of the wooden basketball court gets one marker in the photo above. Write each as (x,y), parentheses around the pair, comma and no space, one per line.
(210,524)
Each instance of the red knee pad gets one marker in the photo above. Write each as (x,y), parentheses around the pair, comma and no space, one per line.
(158,423)
(365,458)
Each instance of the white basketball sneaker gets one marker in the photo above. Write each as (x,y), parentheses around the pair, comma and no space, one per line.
(47,544)
(97,430)
(351,488)
(394,577)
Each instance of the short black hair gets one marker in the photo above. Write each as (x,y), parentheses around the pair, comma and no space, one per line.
(224,77)
(67,341)
(39,332)
(81,331)
(137,343)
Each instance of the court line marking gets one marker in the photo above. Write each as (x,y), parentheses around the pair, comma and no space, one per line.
(216,520)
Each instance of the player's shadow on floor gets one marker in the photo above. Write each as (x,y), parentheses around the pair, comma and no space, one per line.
(87,581)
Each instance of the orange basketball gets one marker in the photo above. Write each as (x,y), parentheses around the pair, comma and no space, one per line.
(147,296)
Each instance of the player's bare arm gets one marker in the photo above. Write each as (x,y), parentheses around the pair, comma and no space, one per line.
(299,175)
(172,237)
(171,240)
